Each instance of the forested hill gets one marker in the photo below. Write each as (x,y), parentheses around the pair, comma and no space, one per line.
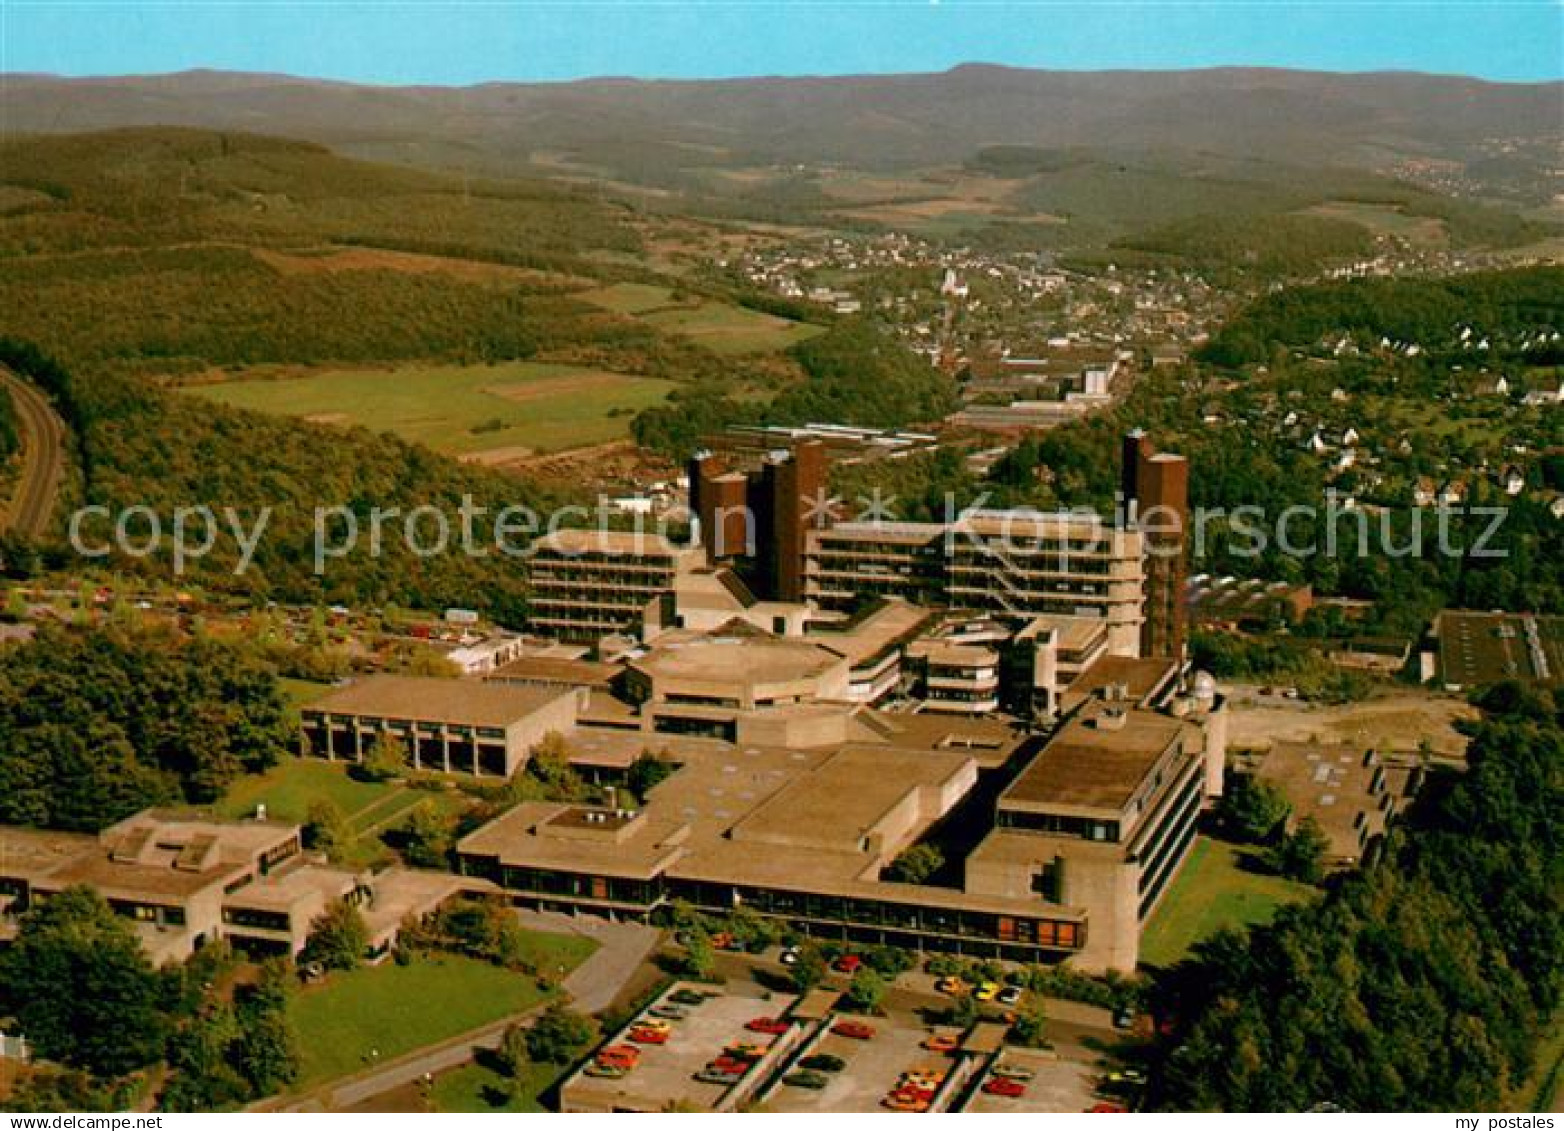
(1509,310)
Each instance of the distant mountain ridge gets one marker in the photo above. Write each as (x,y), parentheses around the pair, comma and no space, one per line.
(1362,120)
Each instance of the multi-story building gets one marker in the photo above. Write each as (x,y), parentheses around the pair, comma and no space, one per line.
(1013,564)
(587,584)
(1104,814)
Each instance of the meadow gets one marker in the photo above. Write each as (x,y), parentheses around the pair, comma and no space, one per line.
(458,409)
(720,327)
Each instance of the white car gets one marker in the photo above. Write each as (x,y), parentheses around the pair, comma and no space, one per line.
(789,956)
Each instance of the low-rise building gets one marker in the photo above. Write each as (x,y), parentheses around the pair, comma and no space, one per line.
(481,727)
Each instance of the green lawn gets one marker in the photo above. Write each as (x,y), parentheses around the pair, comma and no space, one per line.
(459,408)
(475,1088)
(719,326)
(1211,892)
(393,1009)
(288,789)
(301,692)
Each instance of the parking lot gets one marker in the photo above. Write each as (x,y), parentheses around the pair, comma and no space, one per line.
(1057,1085)
(872,1069)
(665,1074)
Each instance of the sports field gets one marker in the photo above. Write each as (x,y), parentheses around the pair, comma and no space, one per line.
(719,326)
(459,409)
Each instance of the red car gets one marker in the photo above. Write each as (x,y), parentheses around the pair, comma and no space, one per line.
(649,1036)
(915,1095)
(1107,1109)
(1010,1089)
(855,1030)
(847,964)
(619,1054)
(775,1026)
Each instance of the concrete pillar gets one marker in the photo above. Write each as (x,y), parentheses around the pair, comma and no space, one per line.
(445,748)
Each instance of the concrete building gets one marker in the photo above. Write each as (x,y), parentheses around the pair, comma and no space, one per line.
(759,519)
(801,835)
(587,584)
(481,727)
(1018,565)
(1354,795)
(1103,816)
(1156,500)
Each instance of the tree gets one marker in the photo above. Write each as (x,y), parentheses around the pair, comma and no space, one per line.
(1301,853)
(866,991)
(917,864)
(326,826)
(810,969)
(700,957)
(647,772)
(80,987)
(1031,1023)
(430,834)
(338,939)
(385,759)
(1252,808)
(267,1054)
(559,1035)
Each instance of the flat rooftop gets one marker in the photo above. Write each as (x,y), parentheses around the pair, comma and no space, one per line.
(870,637)
(556,670)
(35,852)
(466,702)
(1095,766)
(1476,649)
(1140,678)
(618,543)
(730,656)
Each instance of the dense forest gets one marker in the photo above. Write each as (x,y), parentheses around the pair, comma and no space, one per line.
(96,725)
(1423,983)
(854,373)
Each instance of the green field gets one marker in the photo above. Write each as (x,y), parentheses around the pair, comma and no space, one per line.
(392,1010)
(478,1088)
(288,789)
(719,326)
(459,409)
(1211,892)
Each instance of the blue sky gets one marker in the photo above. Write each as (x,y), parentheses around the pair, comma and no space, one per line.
(468,41)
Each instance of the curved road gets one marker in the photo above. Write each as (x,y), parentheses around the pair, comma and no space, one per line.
(43,459)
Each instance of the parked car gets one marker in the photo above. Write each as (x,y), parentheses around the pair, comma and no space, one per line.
(1013,1071)
(1010,996)
(1124,1018)
(987,991)
(607,1071)
(649,1036)
(1006,1087)
(775,1026)
(942,1042)
(626,1054)
(716,1076)
(898,1102)
(822,1062)
(670,1012)
(789,956)
(847,964)
(853,1030)
(687,997)
(1107,1109)
(746,1050)
(952,985)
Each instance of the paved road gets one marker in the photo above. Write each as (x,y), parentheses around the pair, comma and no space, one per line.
(43,467)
